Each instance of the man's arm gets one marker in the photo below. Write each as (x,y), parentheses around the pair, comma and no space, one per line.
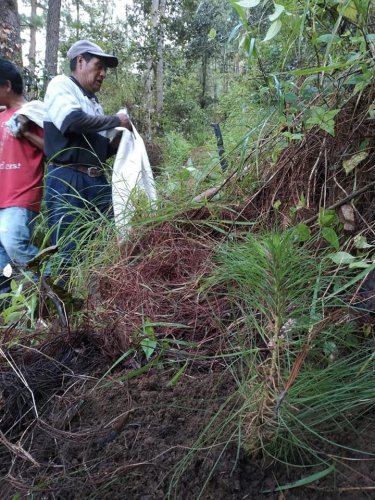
(25,132)
(78,122)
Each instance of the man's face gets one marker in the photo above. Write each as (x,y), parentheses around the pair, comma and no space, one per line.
(91,74)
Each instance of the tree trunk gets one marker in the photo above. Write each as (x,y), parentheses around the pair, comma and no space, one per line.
(10,34)
(33,28)
(52,36)
(160,61)
(204,80)
(77,19)
(149,96)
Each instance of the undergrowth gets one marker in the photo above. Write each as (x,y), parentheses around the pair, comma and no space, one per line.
(306,354)
(304,369)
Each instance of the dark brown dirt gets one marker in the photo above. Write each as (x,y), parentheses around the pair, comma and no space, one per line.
(144,439)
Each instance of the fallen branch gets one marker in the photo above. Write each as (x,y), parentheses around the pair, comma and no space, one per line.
(343,201)
(17,450)
(208,194)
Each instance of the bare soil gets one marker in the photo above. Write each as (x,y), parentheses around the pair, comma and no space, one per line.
(142,439)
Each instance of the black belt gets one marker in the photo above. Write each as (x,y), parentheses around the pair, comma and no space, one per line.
(85,169)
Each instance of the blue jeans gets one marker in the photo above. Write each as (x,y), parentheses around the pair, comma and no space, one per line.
(16,226)
(73,199)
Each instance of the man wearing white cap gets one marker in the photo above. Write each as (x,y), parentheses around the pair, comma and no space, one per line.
(76,141)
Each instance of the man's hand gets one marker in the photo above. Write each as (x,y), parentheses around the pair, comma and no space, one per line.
(24,131)
(125,121)
(23,124)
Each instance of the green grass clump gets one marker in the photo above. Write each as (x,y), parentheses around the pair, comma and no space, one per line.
(305,373)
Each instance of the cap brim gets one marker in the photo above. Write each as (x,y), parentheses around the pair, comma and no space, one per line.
(111,61)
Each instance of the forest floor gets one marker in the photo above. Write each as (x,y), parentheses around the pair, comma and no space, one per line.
(132,439)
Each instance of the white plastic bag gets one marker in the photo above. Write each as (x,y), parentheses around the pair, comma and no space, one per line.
(131,171)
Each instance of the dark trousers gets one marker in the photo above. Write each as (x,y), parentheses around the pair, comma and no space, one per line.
(74,199)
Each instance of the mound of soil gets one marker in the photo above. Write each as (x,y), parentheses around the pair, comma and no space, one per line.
(159,282)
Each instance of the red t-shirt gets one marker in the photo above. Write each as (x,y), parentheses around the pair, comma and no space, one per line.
(21,168)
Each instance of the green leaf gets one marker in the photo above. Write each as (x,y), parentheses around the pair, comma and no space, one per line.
(252,49)
(301,201)
(355,160)
(13,314)
(327,217)
(148,345)
(318,69)
(302,232)
(293,137)
(184,174)
(242,15)
(279,9)
(15,287)
(244,42)
(359,264)
(361,242)
(329,347)
(341,258)
(167,324)
(323,119)
(234,32)
(290,97)
(349,11)
(248,4)
(273,30)
(148,330)
(306,480)
(135,373)
(177,375)
(364,144)
(212,34)
(328,38)
(330,235)
(351,282)
(360,276)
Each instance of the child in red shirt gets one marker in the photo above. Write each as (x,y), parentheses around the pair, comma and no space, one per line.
(21,174)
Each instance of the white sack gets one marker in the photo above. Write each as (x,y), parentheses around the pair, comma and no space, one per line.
(131,171)
(34,111)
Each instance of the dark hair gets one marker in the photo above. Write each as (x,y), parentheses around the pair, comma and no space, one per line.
(86,56)
(10,73)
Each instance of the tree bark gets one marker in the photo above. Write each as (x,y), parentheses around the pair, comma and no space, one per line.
(10,33)
(160,61)
(52,36)
(204,80)
(77,19)
(149,84)
(33,29)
